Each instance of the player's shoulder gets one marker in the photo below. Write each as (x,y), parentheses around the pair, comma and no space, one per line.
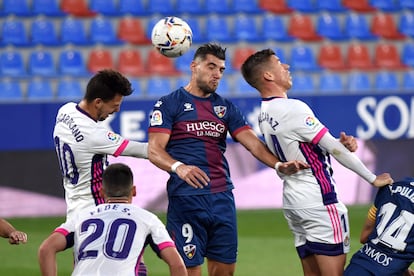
(68,106)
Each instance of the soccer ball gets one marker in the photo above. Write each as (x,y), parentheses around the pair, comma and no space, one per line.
(172,36)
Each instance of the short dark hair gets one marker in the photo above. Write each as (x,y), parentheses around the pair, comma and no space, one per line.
(117,180)
(210,49)
(106,84)
(253,63)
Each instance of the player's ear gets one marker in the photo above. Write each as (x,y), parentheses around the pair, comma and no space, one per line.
(102,192)
(268,76)
(133,191)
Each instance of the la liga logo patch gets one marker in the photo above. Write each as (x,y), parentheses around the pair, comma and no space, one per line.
(310,121)
(113,136)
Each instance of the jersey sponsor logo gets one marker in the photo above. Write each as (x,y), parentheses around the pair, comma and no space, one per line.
(206,128)
(113,136)
(188,107)
(220,111)
(310,121)
(375,255)
(189,250)
(156,118)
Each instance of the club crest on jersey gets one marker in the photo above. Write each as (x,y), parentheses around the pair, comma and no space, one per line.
(220,111)
(156,118)
(113,136)
(189,250)
(188,107)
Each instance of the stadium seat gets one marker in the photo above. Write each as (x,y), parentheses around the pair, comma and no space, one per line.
(132,31)
(190,7)
(163,7)
(218,7)
(183,62)
(330,57)
(383,25)
(407,54)
(73,31)
(331,83)
(359,82)
(329,26)
(359,57)
(302,58)
(301,26)
(386,5)
(407,4)
(105,7)
(302,84)
(76,8)
(69,89)
(102,31)
(274,29)
(305,6)
(280,53)
(10,90)
(246,6)
(275,6)
(182,81)
(130,63)
(12,64)
(246,29)
(158,86)
(133,7)
(41,63)
(136,85)
(71,63)
(240,54)
(14,33)
(406,24)
(387,56)
(48,8)
(358,5)
(224,87)
(158,64)
(39,89)
(150,25)
(242,88)
(44,33)
(408,81)
(99,59)
(331,6)
(218,29)
(17,7)
(386,81)
(357,27)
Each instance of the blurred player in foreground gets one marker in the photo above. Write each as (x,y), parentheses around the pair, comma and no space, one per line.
(315,215)
(388,234)
(9,232)
(109,239)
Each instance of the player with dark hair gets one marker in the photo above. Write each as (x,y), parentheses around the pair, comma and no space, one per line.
(315,215)
(388,233)
(109,239)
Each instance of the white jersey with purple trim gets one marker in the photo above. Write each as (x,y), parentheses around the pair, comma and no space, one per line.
(109,239)
(82,145)
(292,132)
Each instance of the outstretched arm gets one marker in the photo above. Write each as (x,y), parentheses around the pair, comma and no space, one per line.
(8,231)
(369,224)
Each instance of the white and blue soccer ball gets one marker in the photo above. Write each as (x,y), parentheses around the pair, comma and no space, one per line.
(172,36)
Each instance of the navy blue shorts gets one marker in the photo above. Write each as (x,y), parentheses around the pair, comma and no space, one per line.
(204,226)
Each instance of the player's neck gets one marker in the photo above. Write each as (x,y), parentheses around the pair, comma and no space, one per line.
(117,200)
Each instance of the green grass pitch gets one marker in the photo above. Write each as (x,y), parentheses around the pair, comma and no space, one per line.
(265,245)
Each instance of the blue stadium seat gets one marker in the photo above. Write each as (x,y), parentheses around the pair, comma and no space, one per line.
(303,84)
(357,26)
(218,7)
(105,7)
(10,90)
(407,4)
(39,89)
(47,7)
(14,33)
(17,7)
(359,82)
(73,31)
(103,31)
(246,6)
(406,24)
(305,6)
(280,53)
(329,26)
(133,7)
(69,89)
(218,29)
(71,62)
(44,32)
(246,29)
(407,54)
(274,28)
(331,6)
(386,5)
(136,85)
(190,7)
(331,83)
(224,87)
(158,86)
(163,7)
(386,81)
(303,58)
(183,62)
(12,64)
(41,63)
(408,81)
(241,87)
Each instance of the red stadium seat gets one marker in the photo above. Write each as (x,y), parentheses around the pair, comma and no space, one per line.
(358,57)
(331,57)
(302,27)
(76,7)
(275,6)
(131,30)
(358,5)
(130,63)
(99,59)
(160,65)
(384,25)
(387,57)
(240,55)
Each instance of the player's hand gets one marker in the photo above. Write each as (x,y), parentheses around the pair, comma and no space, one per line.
(292,167)
(193,175)
(349,142)
(382,180)
(408,272)
(17,237)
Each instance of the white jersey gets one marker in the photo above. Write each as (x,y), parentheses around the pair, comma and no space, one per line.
(292,132)
(109,239)
(82,145)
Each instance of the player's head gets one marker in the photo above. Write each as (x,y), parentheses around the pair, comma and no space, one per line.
(264,66)
(118,181)
(106,90)
(208,66)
